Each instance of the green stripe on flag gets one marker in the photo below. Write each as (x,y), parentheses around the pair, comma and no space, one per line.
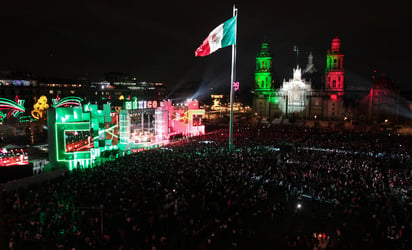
(229,32)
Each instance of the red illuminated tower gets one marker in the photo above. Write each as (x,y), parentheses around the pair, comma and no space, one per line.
(334,73)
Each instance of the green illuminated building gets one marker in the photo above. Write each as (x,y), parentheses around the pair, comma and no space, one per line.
(263,74)
(265,100)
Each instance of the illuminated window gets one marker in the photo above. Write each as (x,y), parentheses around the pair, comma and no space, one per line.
(334,84)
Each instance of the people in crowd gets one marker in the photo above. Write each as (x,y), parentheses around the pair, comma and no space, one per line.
(280,187)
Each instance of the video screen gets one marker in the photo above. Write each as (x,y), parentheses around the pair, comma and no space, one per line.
(197,120)
(13,157)
(78,141)
(142,127)
(112,129)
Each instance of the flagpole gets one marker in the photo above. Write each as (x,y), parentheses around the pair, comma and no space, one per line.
(232,79)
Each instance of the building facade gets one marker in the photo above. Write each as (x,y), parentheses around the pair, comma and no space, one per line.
(295,95)
(299,98)
(265,101)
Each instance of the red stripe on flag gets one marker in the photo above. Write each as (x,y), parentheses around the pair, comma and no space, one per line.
(204,49)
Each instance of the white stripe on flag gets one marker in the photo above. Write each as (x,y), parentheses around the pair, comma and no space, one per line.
(215,38)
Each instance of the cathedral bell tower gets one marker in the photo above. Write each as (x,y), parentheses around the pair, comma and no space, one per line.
(263,75)
(334,73)
(334,82)
(264,100)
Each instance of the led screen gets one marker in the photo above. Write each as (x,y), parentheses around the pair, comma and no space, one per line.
(76,141)
(13,157)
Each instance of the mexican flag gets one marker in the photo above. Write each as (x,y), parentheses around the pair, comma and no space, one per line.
(222,36)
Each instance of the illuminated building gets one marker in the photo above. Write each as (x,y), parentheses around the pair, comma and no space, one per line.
(334,73)
(329,99)
(334,82)
(113,90)
(297,98)
(297,92)
(265,100)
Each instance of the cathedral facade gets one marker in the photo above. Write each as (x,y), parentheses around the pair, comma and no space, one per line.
(309,95)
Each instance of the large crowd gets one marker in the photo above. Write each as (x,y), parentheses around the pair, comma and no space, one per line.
(281,187)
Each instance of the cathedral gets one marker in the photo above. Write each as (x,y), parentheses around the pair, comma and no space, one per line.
(309,95)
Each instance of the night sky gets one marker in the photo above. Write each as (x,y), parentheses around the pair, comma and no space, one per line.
(156,40)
